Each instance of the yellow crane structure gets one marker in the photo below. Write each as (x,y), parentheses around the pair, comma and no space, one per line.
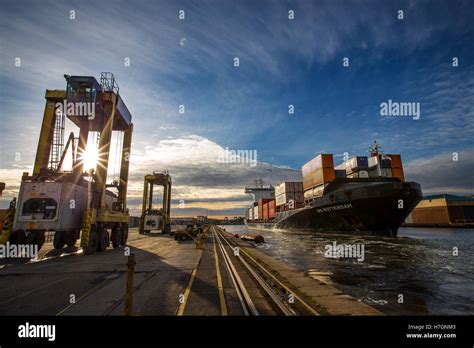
(79,202)
(6,218)
(156,219)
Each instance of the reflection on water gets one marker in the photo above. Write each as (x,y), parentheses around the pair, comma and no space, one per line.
(419,265)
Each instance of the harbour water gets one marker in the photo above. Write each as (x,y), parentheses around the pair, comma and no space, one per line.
(423,271)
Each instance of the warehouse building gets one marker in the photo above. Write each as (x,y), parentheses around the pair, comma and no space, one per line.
(443,210)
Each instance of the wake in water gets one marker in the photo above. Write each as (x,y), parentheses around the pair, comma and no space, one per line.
(416,273)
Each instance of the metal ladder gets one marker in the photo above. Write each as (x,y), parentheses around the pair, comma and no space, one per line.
(58,141)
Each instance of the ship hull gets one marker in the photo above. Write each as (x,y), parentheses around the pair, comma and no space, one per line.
(378,209)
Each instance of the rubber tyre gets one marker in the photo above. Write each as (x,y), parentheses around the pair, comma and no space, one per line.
(59,240)
(40,239)
(18,237)
(124,235)
(116,237)
(104,240)
(93,242)
(71,238)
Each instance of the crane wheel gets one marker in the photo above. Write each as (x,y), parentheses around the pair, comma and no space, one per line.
(116,237)
(71,238)
(59,240)
(104,240)
(124,235)
(40,239)
(18,237)
(93,242)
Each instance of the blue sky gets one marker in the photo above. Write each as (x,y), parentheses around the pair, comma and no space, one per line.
(190,62)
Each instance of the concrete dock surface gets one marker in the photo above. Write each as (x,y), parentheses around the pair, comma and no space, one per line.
(171,278)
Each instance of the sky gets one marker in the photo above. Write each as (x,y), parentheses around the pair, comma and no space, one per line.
(190,62)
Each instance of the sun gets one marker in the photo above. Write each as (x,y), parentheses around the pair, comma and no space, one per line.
(90,157)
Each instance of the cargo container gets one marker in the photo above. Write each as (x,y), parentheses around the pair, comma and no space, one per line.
(255,213)
(340,173)
(289,206)
(249,213)
(287,191)
(296,197)
(386,172)
(351,203)
(359,174)
(318,171)
(265,211)
(288,187)
(354,164)
(268,210)
(271,209)
(397,167)
(45,206)
(314,192)
(261,202)
(384,161)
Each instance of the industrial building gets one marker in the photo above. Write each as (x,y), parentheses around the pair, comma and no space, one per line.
(443,210)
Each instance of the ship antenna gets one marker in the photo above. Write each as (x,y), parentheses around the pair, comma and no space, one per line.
(375,149)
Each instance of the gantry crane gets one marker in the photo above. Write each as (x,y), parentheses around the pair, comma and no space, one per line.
(6,223)
(156,219)
(78,202)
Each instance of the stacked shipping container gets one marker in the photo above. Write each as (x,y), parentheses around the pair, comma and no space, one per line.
(316,174)
(390,166)
(318,171)
(355,167)
(255,213)
(263,208)
(249,213)
(271,209)
(397,167)
(265,211)
(289,191)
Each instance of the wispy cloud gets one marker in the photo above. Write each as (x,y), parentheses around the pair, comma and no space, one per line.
(282,61)
(440,174)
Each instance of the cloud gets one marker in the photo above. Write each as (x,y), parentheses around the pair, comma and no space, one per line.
(440,174)
(226,106)
(209,187)
(201,179)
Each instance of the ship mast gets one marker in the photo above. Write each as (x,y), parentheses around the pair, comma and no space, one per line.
(260,190)
(375,149)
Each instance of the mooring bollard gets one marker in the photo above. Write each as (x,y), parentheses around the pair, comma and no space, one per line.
(129,289)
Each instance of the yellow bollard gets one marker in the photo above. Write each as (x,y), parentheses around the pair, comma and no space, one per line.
(129,289)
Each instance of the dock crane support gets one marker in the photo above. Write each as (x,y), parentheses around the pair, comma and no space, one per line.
(78,202)
(163,179)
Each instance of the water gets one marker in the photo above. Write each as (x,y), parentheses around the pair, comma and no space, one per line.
(419,265)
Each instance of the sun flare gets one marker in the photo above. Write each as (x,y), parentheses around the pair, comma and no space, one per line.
(90,157)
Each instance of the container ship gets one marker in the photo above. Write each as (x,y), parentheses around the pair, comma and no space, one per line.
(362,195)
